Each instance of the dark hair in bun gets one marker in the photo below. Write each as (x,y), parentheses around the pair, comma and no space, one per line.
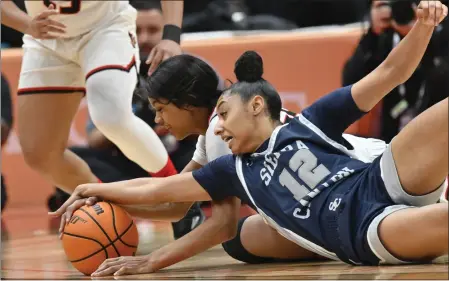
(249,70)
(249,67)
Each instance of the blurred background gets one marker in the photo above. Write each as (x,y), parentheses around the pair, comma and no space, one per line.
(309,47)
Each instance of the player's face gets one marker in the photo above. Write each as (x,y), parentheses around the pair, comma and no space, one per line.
(149,29)
(179,122)
(238,123)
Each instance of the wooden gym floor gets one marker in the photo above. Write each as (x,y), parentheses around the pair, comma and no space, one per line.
(31,250)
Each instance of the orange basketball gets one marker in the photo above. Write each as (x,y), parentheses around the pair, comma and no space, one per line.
(96,233)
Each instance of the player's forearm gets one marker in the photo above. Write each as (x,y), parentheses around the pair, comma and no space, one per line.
(164,212)
(406,56)
(221,227)
(13,17)
(151,191)
(173,12)
(396,69)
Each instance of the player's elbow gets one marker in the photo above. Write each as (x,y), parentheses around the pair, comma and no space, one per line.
(227,227)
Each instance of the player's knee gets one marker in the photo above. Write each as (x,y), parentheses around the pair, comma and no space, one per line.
(236,250)
(109,105)
(40,159)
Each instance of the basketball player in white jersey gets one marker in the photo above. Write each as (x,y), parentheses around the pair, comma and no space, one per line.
(81,48)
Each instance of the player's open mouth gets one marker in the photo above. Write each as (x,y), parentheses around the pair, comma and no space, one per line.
(227,139)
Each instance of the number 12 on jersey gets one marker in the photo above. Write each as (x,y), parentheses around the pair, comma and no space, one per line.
(305,164)
(75,6)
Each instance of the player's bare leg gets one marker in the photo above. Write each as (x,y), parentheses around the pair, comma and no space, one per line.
(420,151)
(269,242)
(417,234)
(44,127)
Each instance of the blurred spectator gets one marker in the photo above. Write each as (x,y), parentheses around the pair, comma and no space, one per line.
(6,126)
(106,161)
(219,15)
(10,37)
(389,23)
(307,13)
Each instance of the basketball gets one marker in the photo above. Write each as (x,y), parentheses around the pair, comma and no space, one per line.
(96,233)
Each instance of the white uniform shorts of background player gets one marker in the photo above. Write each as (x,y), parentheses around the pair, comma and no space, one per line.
(99,56)
(100,35)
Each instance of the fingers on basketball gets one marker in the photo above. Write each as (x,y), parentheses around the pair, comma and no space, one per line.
(96,233)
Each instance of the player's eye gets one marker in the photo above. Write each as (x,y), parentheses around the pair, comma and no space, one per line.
(223,114)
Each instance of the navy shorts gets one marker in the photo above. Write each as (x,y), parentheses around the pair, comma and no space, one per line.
(353,211)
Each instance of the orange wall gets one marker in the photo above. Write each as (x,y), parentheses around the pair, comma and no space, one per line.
(302,66)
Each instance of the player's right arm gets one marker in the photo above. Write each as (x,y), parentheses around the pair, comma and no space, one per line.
(403,60)
(40,27)
(335,112)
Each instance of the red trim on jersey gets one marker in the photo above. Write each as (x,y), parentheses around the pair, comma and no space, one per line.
(50,90)
(126,68)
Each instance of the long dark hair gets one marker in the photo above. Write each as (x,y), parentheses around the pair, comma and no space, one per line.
(183,80)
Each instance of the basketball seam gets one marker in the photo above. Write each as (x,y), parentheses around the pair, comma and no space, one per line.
(103,247)
(107,236)
(115,228)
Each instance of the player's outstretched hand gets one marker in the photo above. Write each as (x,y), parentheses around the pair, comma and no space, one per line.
(162,51)
(42,27)
(431,12)
(67,215)
(124,266)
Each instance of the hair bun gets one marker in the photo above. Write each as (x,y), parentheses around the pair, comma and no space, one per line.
(249,67)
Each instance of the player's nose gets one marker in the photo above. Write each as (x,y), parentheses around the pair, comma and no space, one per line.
(158,119)
(218,130)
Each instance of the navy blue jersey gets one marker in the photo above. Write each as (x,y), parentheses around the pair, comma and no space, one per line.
(295,169)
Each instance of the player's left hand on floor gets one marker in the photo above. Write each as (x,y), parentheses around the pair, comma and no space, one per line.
(124,266)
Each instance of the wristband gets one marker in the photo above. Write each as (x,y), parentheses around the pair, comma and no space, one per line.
(172,32)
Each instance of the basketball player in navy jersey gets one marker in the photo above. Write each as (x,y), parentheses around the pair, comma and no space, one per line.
(186,110)
(307,182)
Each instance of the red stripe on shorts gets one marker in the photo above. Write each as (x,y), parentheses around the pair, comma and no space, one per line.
(126,68)
(50,90)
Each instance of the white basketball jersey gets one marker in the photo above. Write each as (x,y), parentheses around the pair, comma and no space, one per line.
(80,16)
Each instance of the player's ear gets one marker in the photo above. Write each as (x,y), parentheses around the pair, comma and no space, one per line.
(257,105)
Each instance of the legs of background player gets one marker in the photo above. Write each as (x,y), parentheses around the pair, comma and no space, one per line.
(44,126)
(269,246)
(416,234)
(109,95)
(420,151)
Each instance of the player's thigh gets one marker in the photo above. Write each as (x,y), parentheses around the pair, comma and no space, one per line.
(392,172)
(402,234)
(112,47)
(420,150)
(262,240)
(50,90)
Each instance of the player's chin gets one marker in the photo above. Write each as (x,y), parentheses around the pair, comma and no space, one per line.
(178,134)
(234,147)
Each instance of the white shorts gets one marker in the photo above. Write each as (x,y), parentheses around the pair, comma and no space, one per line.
(402,198)
(64,65)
